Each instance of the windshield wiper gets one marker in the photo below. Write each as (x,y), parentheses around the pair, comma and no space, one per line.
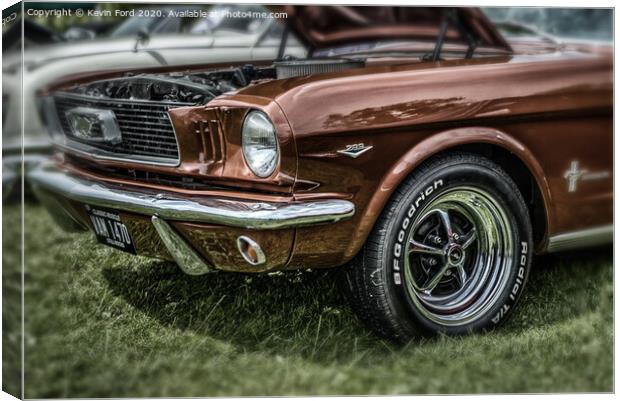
(452,17)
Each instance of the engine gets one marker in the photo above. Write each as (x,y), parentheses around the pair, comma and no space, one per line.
(200,87)
(176,87)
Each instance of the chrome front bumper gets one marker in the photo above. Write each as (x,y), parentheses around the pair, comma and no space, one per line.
(54,187)
(12,164)
(221,211)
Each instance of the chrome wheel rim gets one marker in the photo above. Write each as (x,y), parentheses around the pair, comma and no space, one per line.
(459,256)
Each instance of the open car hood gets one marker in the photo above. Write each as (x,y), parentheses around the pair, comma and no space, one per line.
(328,26)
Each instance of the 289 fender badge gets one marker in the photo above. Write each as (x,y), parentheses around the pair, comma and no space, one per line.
(574,174)
(355,150)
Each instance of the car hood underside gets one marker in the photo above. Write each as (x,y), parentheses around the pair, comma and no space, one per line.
(327,26)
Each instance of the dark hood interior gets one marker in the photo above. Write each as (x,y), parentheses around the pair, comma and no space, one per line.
(327,26)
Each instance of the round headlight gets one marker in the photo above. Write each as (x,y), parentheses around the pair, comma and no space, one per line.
(260,145)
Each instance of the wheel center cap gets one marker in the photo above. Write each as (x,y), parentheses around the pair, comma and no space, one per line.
(455,255)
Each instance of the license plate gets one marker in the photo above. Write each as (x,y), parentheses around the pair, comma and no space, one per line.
(110,230)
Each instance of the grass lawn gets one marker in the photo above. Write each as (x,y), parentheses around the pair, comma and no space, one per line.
(100,323)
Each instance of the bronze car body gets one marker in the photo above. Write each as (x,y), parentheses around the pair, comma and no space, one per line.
(546,110)
(541,111)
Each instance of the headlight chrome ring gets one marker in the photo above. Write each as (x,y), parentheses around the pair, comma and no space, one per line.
(260,144)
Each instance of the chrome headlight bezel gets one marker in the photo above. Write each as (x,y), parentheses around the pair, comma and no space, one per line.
(256,120)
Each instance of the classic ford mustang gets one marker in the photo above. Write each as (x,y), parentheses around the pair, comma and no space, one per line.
(415,146)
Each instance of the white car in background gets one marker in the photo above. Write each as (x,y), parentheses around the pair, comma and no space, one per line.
(165,42)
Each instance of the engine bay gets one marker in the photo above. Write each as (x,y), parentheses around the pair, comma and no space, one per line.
(200,87)
(176,87)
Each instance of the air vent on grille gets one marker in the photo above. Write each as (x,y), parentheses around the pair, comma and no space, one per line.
(146,130)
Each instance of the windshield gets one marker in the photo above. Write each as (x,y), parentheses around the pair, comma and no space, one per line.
(133,25)
(229,18)
(220,19)
(563,23)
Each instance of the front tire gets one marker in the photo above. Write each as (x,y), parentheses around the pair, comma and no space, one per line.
(450,253)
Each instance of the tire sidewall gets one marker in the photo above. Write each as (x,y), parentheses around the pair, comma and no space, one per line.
(425,189)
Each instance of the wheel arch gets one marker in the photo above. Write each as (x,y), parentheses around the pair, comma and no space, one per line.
(514,157)
(520,173)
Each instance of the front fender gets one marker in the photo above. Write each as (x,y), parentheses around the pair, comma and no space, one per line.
(432,145)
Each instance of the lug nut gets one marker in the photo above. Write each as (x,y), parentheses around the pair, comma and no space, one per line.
(436,239)
(455,236)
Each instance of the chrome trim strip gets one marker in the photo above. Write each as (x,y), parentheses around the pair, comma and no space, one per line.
(206,209)
(581,239)
(47,106)
(186,257)
(98,154)
(126,101)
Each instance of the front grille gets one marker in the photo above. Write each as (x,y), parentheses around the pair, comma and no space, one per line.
(146,130)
